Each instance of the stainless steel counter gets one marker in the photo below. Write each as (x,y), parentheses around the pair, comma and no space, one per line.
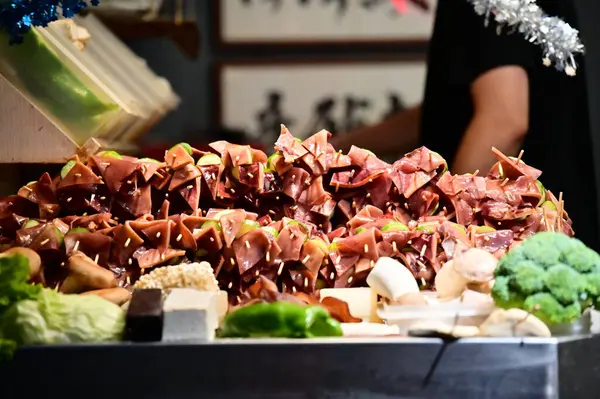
(311,369)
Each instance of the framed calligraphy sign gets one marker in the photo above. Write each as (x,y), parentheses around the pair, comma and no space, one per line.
(317,23)
(306,96)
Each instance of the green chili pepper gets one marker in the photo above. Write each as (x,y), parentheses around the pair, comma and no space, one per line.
(280,320)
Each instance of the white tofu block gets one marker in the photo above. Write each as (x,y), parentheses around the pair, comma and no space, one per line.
(362,302)
(222,304)
(190,314)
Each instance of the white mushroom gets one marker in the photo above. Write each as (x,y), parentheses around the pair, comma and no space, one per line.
(513,323)
(449,283)
(391,279)
(476,265)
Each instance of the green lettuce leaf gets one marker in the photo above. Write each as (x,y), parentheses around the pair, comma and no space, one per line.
(14,273)
(62,319)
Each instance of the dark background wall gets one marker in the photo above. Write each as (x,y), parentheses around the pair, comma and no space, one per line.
(193,80)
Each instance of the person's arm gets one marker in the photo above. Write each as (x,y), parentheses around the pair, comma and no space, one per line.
(498,66)
(398,133)
(501,118)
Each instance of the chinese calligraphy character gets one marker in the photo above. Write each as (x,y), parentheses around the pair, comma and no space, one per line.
(342,5)
(324,118)
(352,118)
(272,116)
(396,105)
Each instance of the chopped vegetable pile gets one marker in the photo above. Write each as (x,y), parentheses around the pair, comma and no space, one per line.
(551,275)
(305,218)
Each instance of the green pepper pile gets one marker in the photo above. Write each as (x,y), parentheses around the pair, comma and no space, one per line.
(280,320)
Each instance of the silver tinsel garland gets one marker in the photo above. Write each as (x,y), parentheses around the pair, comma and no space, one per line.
(560,42)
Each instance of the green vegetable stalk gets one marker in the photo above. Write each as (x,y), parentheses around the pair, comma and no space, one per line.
(30,314)
(551,275)
(49,80)
(280,320)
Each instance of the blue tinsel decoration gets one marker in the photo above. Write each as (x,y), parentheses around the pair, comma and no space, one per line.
(18,16)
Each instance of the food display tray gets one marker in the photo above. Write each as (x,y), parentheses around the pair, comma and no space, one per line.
(381,368)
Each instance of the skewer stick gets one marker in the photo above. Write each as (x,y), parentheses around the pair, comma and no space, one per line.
(306,259)
(96,258)
(247,244)
(545,218)
(519,157)
(332,276)
(366,248)
(350,280)
(280,270)
(268,257)
(179,237)
(559,217)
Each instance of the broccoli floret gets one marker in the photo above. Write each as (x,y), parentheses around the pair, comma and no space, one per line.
(550,311)
(528,277)
(542,254)
(592,284)
(583,259)
(553,270)
(565,283)
(504,296)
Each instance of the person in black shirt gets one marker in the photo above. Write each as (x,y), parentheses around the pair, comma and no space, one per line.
(487,90)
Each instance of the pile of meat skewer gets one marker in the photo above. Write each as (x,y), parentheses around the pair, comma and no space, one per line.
(305,218)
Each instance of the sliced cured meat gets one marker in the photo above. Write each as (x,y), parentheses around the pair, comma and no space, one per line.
(291,239)
(240,154)
(426,160)
(231,224)
(178,157)
(40,192)
(183,175)
(148,168)
(289,146)
(148,258)
(191,193)
(126,242)
(494,241)
(79,174)
(159,233)
(114,171)
(513,168)
(250,249)
(294,182)
(96,246)
(363,244)
(335,159)
(212,175)
(182,237)
(366,160)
